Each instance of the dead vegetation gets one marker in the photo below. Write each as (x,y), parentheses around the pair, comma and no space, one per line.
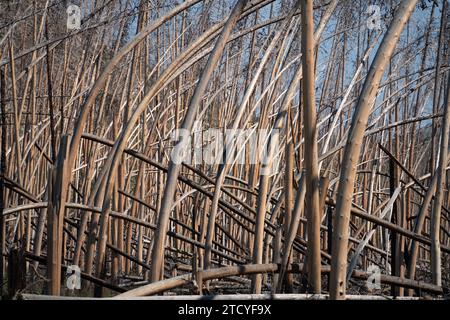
(346,192)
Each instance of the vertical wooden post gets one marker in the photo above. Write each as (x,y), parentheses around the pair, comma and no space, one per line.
(276,243)
(394,219)
(311,147)
(57,188)
(288,202)
(2,173)
(443,156)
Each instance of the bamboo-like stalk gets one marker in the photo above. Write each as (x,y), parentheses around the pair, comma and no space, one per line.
(173,171)
(2,173)
(288,201)
(123,84)
(441,174)
(231,149)
(435,231)
(55,216)
(311,148)
(352,149)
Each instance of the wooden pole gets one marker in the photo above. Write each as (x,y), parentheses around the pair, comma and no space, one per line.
(55,218)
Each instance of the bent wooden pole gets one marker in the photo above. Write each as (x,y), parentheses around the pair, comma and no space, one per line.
(174,169)
(436,213)
(418,227)
(81,120)
(223,168)
(100,82)
(353,147)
